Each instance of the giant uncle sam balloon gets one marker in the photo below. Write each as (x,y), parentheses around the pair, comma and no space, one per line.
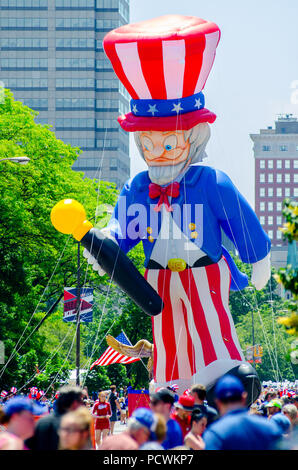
(177,209)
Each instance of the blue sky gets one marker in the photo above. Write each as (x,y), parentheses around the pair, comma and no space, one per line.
(250,82)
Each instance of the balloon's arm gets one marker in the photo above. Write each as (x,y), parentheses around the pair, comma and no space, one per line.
(261,272)
(69,217)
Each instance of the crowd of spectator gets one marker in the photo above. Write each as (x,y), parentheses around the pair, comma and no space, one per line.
(172,421)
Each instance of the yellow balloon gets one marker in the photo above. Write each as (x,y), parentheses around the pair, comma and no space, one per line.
(67,215)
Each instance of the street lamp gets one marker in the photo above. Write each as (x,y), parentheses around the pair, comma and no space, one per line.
(21,160)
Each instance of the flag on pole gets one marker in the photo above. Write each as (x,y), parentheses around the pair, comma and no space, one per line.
(110,356)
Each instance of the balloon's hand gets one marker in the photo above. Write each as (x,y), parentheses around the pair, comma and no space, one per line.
(261,272)
(91,260)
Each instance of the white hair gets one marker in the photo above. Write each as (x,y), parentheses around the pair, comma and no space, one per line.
(197,136)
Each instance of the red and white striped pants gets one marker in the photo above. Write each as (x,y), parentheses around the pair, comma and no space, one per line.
(195,330)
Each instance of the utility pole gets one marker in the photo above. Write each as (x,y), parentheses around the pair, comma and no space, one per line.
(78,309)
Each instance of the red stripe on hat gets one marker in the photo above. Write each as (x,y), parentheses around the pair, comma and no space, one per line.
(190,346)
(193,63)
(168,330)
(110,50)
(213,275)
(151,59)
(190,288)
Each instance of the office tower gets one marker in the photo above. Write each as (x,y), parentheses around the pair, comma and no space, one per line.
(276,178)
(52,59)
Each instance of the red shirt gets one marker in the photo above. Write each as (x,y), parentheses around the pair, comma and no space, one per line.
(183,423)
(102,409)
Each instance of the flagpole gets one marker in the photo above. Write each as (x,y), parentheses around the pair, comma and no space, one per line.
(78,320)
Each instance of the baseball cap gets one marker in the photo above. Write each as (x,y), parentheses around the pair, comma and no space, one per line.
(282,421)
(146,418)
(19,404)
(185,402)
(163,394)
(275,403)
(228,386)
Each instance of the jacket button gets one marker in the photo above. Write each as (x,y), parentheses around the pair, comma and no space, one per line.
(151,239)
(149,230)
(194,234)
(192,226)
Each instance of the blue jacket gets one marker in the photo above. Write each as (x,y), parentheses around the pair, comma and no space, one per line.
(238,430)
(208,201)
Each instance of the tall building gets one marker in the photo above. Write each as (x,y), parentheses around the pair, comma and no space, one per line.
(51,57)
(276,178)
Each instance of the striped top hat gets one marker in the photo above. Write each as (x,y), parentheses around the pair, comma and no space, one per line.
(164,64)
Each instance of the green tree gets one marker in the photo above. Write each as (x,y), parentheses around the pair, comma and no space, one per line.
(36,261)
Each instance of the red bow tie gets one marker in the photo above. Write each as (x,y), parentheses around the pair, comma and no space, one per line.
(155,190)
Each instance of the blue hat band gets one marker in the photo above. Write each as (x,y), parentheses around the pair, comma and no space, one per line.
(166,108)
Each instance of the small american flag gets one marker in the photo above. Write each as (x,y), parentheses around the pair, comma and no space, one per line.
(110,356)
(4,394)
(13,390)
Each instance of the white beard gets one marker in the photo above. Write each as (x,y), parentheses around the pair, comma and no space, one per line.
(165,174)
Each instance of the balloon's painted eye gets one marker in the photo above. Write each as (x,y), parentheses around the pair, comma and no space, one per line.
(147,143)
(170,142)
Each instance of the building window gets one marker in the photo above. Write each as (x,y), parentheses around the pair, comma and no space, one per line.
(279,164)
(24,43)
(296,178)
(74,43)
(287,164)
(113,164)
(287,178)
(107,84)
(16,4)
(262,178)
(279,206)
(107,25)
(279,220)
(278,234)
(74,63)
(15,83)
(21,63)
(266,148)
(295,192)
(85,143)
(270,178)
(270,220)
(104,124)
(270,206)
(24,23)
(262,220)
(283,148)
(279,192)
(262,206)
(75,123)
(74,83)
(107,104)
(270,234)
(262,192)
(287,192)
(36,103)
(75,23)
(75,103)
(262,164)
(74,4)
(270,164)
(296,164)
(279,178)
(270,192)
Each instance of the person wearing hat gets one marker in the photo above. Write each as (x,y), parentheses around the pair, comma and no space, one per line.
(140,427)
(164,64)
(162,402)
(46,435)
(18,417)
(273,407)
(182,413)
(237,429)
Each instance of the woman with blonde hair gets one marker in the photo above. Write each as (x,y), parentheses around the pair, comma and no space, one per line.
(74,431)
